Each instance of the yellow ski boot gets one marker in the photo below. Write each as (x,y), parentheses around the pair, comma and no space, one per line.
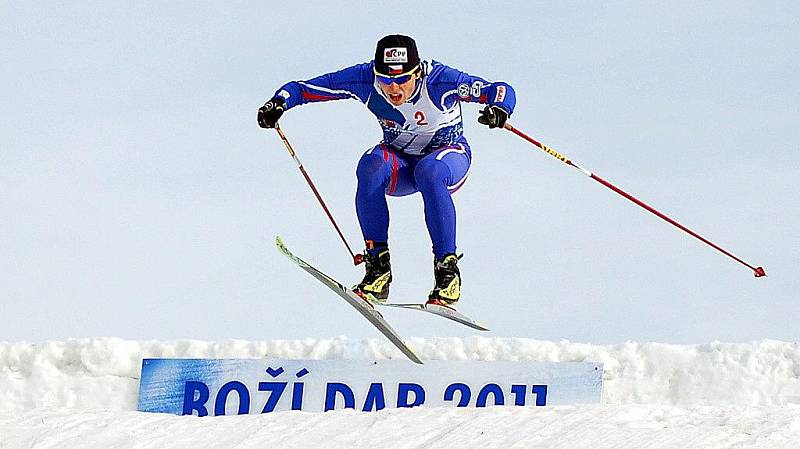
(375,285)
(447,290)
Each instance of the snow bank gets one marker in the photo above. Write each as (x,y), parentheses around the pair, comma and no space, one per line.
(567,427)
(102,373)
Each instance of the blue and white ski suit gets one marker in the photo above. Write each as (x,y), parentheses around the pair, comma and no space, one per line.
(423,148)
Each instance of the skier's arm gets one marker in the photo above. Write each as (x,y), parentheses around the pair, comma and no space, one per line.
(351,82)
(454,85)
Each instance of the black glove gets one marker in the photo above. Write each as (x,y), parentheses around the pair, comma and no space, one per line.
(269,114)
(494,116)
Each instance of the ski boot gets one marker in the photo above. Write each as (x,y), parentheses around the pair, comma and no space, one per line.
(447,290)
(375,285)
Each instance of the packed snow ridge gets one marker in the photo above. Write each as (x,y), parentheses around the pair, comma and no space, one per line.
(103,373)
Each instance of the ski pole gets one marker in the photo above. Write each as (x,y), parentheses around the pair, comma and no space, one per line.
(357,258)
(758,271)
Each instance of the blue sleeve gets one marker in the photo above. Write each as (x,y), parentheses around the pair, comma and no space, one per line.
(351,82)
(448,85)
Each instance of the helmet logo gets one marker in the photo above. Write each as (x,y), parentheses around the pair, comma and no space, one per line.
(395,55)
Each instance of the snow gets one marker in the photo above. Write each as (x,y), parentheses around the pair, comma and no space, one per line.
(82,394)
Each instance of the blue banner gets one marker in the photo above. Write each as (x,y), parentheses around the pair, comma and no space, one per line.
(241,386)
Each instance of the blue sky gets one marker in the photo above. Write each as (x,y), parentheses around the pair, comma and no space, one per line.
(139,198)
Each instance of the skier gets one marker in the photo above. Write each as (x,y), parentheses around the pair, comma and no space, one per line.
(418,106)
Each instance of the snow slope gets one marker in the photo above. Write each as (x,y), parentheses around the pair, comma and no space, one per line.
(82,394)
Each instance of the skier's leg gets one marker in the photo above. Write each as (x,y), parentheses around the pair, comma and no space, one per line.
(380,172)
(437,175)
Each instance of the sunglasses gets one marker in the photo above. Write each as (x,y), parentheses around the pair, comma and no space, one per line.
(399,79)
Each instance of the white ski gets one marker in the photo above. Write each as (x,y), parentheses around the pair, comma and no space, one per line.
(364,307)
(442,311)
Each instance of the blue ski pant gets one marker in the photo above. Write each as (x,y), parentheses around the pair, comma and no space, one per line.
(384,171)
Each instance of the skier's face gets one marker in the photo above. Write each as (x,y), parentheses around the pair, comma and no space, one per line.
(400,93)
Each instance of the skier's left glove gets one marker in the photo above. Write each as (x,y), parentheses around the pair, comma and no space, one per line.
(272,110)
(494,116)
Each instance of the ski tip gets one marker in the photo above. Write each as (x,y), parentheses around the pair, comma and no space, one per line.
(285,251)
(759,272)
(281,246)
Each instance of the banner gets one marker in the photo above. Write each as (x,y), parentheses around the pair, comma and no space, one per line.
(240,386)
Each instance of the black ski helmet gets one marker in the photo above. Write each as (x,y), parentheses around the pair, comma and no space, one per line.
(395,55)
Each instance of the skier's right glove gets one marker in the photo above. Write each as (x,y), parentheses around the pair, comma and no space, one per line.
(272,110)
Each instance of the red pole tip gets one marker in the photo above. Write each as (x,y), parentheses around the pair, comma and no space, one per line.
(358,259)
(760,272)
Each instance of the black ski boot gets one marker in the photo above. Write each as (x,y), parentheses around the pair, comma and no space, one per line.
(375,285)
(447,290)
